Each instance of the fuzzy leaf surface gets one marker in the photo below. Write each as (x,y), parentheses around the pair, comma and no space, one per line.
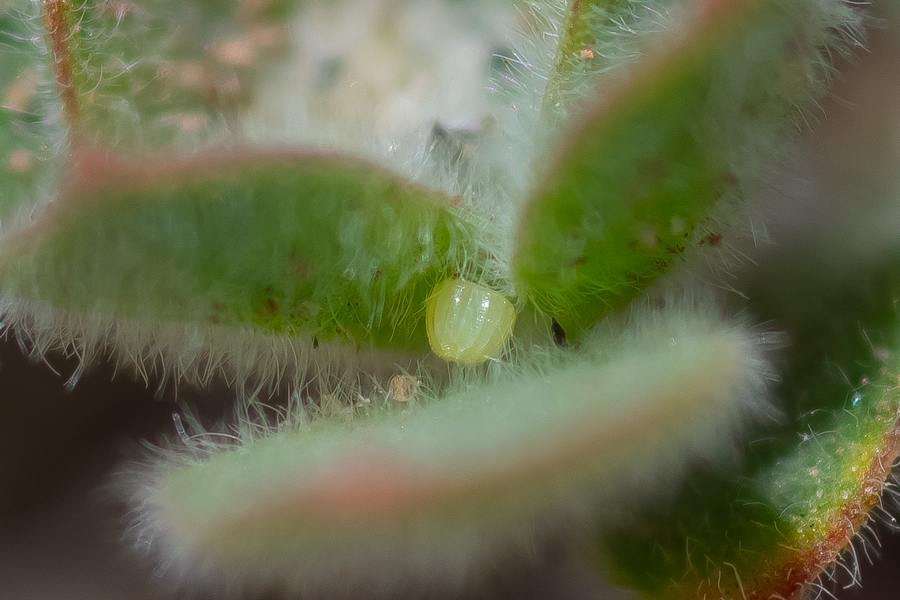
(633,181)
(154,73)
(808,485)
(597,37)
(29,127)
(319,246)
(428,492)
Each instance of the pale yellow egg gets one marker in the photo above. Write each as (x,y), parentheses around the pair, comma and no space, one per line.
(468,323)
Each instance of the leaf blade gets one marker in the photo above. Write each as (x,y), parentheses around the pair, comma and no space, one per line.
(322,246)
(810,483)
(430,493)
(631,185)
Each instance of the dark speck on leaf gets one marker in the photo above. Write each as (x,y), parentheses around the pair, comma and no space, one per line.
(559,335)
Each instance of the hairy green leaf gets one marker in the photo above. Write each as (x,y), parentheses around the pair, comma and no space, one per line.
(30,130)
(318,246)
(423,495)
(810,482)
(635,181)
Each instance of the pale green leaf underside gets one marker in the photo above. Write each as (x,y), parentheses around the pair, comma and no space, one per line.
(311,245)
(454,478)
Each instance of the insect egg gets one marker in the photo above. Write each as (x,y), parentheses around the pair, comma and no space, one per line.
(466,322)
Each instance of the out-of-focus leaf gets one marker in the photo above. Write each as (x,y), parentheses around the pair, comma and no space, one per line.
(30,131)
(156,72)
(424,496)
(596,38)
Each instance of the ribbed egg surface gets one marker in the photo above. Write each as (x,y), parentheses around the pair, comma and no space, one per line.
(468,323)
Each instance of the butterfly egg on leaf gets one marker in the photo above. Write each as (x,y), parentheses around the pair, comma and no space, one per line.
(468,323)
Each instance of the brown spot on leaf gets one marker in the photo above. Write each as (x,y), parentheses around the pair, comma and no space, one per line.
(265,306)
(404,388)
(655,169)
(120,10)
(240,52)
(21,161)
(713,239)
(217,310)
(269,37)
(19,94)
(191,75)
(192,121)
(298,267)
(648,235)
(730,179)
